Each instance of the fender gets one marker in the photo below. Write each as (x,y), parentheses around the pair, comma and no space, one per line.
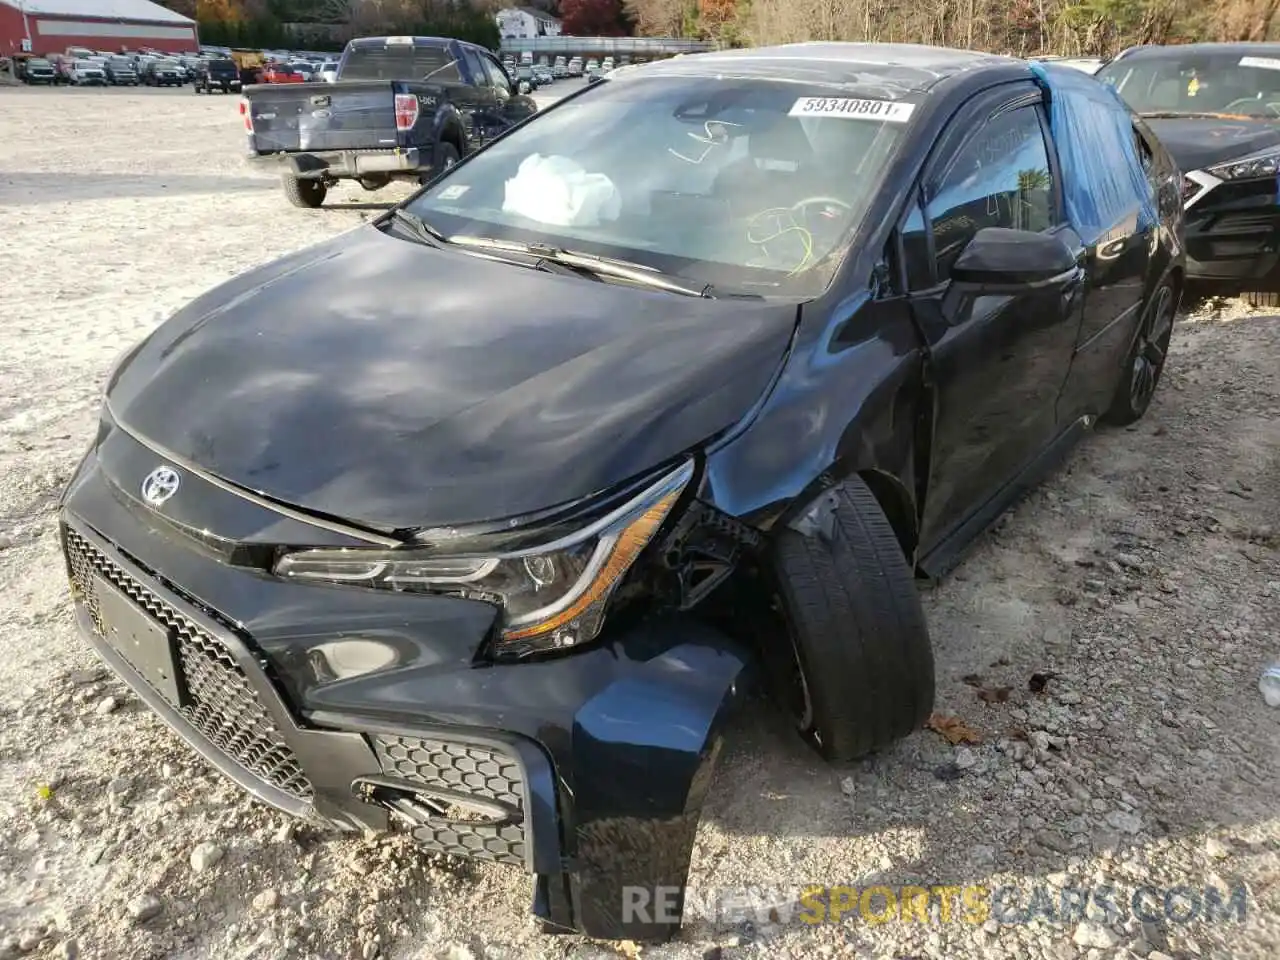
(448,120)
(819,425)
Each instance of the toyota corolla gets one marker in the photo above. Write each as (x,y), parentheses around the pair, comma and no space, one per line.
(474,520)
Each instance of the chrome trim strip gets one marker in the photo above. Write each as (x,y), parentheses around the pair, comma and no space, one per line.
(1207,182)
(254,498)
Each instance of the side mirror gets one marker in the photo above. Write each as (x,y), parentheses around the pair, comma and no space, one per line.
(1002,261)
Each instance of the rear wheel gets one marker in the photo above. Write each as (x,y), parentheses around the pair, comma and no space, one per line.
(1146,359)
(304,193)
(446,157)
(863,662)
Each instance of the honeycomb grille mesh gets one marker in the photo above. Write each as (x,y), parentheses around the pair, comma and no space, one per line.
(222,705)
(482,772)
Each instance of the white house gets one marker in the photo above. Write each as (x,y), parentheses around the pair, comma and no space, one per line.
(525,23)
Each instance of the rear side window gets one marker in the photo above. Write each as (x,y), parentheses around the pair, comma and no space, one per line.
(401,61)
(1000,177)
(474,69)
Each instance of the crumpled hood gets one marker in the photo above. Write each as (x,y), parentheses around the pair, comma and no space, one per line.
(1196,143)
(396,385)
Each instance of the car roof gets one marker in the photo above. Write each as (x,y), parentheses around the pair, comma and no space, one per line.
(1242,49)
(907,67)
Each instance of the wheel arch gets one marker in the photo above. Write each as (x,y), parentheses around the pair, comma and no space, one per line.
(890,491)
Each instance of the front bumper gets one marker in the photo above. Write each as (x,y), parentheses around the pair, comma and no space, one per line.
(588,770)
(346,164)
(1233,230)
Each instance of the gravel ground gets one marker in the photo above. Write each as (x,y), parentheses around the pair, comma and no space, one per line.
(1138,592)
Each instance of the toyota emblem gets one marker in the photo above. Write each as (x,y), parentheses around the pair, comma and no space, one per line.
(160,484)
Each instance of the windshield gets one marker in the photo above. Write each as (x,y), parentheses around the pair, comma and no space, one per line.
(1219,83)
(87,65)
(712,181)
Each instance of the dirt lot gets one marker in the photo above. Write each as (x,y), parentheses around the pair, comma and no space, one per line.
(1144,579)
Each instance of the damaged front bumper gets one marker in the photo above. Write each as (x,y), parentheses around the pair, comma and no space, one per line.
(588,770)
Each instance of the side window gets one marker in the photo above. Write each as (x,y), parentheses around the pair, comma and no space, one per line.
(999,178)
(497,77)
(475,68)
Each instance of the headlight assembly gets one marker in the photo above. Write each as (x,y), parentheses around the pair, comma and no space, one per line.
(1257,166)
(551,596)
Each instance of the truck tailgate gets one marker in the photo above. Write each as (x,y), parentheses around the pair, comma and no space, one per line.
(358,114)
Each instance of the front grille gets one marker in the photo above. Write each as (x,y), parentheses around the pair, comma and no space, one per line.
(461,768)
(221,704)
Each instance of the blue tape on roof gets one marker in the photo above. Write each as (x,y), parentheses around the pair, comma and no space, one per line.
(1093,129)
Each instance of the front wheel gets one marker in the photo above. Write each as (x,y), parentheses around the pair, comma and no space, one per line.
(308,194)
(1145,362)
(863,673)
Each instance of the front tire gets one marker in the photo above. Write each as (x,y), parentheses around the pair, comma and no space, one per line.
(308,194)
(1145,363)
(864,662)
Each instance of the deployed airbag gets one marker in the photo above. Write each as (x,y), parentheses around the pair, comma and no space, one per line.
(557,191)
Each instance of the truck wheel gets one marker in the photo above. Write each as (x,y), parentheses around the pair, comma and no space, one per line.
(446,157)
(863,663)
(304,193)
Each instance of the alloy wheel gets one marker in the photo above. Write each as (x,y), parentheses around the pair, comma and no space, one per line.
(1153,345)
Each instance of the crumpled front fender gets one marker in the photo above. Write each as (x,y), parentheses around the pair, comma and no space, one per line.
(643,753)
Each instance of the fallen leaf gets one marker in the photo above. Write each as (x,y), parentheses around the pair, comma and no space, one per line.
(953,729)
(44,792)
(629,948)
(994,694)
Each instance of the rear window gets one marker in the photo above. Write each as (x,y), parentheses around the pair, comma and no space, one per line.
(401,62)
(221,66)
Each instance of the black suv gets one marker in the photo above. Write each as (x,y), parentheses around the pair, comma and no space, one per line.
(217,75)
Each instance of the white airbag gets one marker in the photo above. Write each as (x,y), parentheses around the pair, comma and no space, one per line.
(557,191)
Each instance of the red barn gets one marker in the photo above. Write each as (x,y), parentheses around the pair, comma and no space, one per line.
(50,26)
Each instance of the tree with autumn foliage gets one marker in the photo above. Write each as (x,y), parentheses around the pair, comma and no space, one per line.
(1020,27)
(594,18)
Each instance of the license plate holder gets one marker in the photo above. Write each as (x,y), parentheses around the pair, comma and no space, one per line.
(148,645)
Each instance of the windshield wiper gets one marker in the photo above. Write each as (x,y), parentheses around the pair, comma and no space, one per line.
(423,230)
(589,263)
(1192,115)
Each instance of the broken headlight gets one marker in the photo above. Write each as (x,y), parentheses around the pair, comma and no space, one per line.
(551,596)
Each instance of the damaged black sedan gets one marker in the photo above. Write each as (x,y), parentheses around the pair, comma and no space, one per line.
(475,520)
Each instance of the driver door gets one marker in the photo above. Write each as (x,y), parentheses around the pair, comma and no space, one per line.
(998,362)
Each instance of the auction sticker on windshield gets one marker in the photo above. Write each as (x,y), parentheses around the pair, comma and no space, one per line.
(889,111)
(1262,63)
(453,191)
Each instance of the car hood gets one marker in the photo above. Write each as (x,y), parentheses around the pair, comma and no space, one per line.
(1196,143)
(397,385)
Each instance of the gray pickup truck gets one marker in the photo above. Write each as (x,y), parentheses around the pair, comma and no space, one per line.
(402,108)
